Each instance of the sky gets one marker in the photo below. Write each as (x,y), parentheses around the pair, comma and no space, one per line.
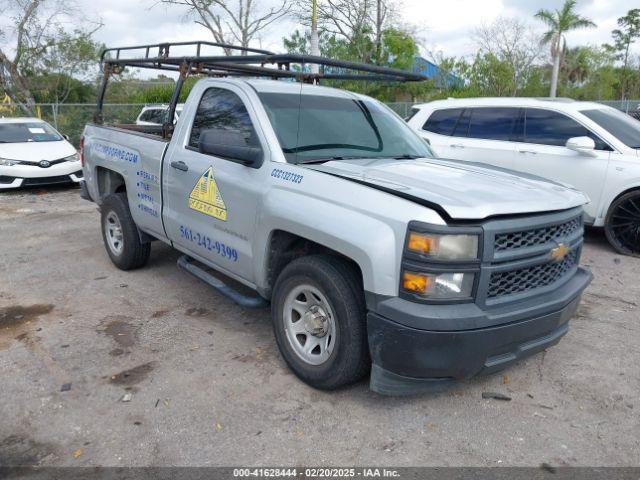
(444,26)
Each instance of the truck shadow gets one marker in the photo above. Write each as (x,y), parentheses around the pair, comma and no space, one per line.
(596,238)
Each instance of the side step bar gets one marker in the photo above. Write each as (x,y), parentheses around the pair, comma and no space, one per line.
(239,298)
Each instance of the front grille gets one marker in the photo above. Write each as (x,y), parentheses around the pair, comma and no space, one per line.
(537,236)
(530,278)
(46,180)
(6,179)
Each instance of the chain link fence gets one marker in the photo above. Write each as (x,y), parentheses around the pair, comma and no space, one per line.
(401,108)
(70,118)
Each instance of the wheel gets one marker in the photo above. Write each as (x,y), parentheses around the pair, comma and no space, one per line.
(120,234)
(319,320)
(622,225)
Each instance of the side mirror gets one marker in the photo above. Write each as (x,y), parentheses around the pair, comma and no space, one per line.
(65,136)
(230,145)
(582,145)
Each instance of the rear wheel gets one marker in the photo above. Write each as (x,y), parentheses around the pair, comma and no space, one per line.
(319,320)
(120,234)
(622,225)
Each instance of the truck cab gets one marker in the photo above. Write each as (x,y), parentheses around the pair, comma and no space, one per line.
(374,255)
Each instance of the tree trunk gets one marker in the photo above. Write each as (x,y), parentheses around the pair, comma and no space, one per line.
(556,68)
(625,72)
(379,32)
(315,41)
(16,87)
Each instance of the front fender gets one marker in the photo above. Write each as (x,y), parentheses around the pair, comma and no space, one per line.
(374,244)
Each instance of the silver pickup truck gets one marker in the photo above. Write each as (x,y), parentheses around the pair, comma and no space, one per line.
(374,255)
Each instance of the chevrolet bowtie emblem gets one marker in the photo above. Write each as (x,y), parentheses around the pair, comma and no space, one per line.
(559,252)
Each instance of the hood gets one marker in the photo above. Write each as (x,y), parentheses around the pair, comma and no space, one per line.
(463,191)
(36,151)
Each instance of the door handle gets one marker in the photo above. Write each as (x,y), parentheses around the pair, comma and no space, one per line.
(180,165)
(457,145)
(528,151)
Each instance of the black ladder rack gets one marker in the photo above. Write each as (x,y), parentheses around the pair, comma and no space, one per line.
(250,62)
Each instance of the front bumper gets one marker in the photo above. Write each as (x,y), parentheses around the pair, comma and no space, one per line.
(32,175)
(408,360)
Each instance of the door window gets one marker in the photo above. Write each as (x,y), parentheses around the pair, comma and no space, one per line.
(546,127)
(222,109)
(462,127)
(623,127)
(412,114)
(492,123)
(443,121)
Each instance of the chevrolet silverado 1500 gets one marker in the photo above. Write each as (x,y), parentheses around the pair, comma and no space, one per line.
(374,255)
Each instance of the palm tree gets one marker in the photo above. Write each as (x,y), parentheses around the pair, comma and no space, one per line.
(559,23)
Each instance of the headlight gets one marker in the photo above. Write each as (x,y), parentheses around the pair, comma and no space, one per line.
(438,286)
(443,246)
(5,162)
(72,158)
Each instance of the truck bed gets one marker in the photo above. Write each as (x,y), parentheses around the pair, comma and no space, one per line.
(132,156)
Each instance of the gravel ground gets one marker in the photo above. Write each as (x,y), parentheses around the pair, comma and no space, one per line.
(207,385)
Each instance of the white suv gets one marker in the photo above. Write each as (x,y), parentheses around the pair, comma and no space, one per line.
(155,114)
(590,146)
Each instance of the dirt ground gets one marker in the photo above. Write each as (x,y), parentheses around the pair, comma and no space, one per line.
(207,385)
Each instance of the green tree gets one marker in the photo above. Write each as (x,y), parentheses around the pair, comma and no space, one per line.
(559,23)
(398,50)
(38,41)
(490,76)
(583,72)
(623,38)
(513,41)
(65,67)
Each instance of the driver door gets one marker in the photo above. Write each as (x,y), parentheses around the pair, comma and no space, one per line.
(211,202)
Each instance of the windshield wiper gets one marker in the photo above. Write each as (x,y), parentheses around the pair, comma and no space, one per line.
(405,156)
(329,159)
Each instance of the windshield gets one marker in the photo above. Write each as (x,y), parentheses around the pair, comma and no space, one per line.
(319,127)
(28,132)
(621,126)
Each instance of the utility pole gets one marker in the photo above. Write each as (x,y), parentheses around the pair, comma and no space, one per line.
(378,31)
(315,42)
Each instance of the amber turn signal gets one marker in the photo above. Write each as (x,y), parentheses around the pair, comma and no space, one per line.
(415,282)
(421,243)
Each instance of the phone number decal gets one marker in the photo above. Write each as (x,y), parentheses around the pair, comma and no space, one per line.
(208,243)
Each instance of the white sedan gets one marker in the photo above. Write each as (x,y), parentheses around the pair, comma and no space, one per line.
(32,152)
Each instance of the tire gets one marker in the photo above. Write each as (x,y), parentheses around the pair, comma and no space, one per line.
(334,287)
(120,234)
(622,225)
